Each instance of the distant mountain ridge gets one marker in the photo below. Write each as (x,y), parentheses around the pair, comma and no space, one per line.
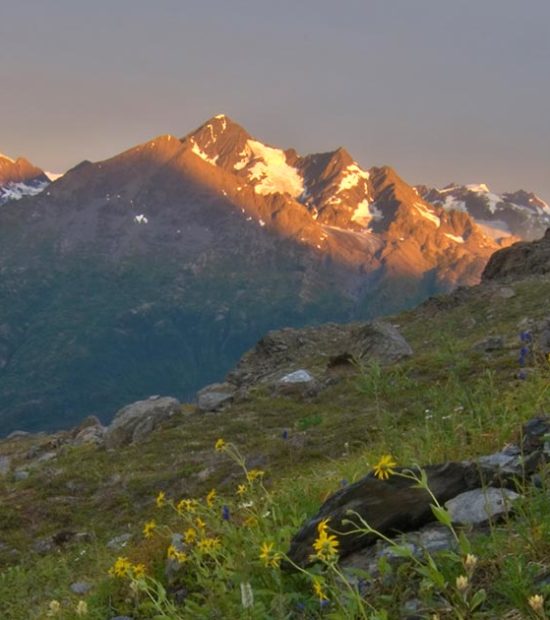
(154,270)
(20,178)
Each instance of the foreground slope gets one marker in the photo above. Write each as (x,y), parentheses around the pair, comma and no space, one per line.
(465,391)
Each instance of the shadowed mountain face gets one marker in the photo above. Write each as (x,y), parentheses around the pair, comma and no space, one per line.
(153,271)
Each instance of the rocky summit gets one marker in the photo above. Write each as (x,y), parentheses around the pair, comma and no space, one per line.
(154,270)
(20,178)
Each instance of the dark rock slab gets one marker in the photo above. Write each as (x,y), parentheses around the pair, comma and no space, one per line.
(390,506)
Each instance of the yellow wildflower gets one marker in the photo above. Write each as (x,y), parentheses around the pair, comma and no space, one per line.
(200,523)
(462,583)
(270,558)
(470,562)
(251,521)
(54,608)
(161,499)
(326,546)
(149,528)
(208,545)
(121,567)
(241,490)
(220,445)
(319,592)
(82,608)
(187,505)
(139,570)
(190,535)
(536,603)
(174,554)
(322,526)
(383,469)
(210,498)
(254,474)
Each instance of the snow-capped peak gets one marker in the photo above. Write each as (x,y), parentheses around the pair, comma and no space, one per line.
(53,176)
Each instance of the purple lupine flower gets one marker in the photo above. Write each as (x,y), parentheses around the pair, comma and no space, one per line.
(284,434)
(526,336)
(226,514)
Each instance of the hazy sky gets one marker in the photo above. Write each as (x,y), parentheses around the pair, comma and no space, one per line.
(443,90)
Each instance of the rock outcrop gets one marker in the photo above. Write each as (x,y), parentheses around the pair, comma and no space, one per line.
(136,421)
(519,260)
(473,492)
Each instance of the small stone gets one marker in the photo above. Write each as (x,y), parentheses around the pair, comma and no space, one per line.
(298,376)
(20,474)
(480,505)
(80,587)
(506,292)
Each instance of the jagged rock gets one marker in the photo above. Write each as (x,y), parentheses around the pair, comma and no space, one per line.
(521,259)
(380,342)
(134,422)
(318,349)
(480,505)
(215,396)
(89,431)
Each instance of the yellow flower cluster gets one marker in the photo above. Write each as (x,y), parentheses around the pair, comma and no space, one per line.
(210,498)
(325,545)
(187,505)
(208,544)
(124,568)
(174,554)
(220,445)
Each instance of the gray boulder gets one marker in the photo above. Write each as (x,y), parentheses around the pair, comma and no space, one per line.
(480,505)
(380,342)
(215,396)
(136,421)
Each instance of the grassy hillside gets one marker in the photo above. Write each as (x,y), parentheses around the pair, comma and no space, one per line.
(451,400)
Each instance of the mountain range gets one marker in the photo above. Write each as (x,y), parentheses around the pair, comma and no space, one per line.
(152,271)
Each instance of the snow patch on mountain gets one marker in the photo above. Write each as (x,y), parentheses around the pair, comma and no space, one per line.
(272,171)
(16,191)
(352,176)
(198,151)
(427,214)
(53,176)
(454,238)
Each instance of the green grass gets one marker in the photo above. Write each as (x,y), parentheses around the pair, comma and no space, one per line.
(446,402)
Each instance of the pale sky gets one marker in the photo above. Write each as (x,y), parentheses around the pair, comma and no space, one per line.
(442,90)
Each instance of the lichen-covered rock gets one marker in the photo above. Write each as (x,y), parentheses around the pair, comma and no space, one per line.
(134,422)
